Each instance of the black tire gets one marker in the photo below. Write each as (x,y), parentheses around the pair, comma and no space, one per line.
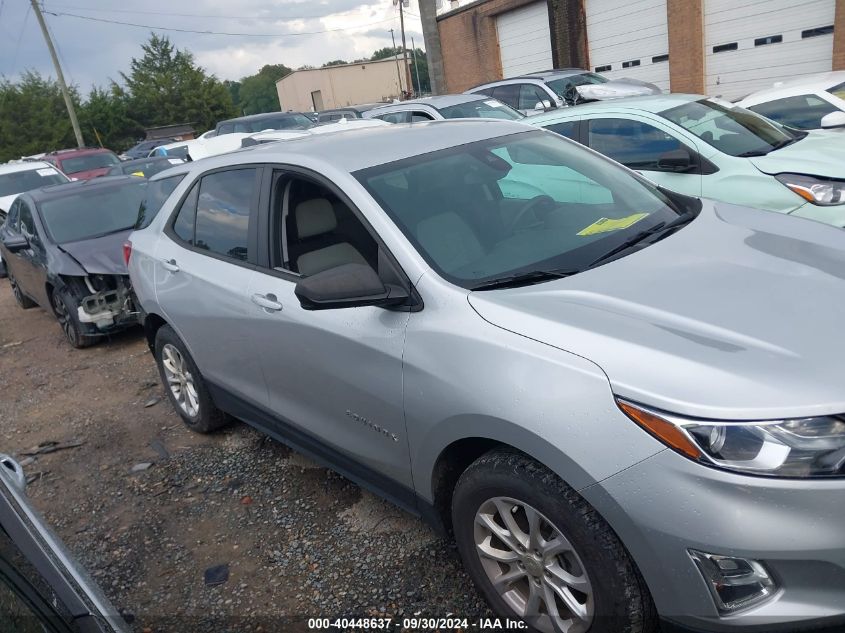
(23,301)
(65,310)
(207,417)
(620,599)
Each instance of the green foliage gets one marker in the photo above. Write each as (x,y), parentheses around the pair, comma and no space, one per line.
(257,93)
(384,53)
(418,57)
(335,62)
(33,117)
(105,118)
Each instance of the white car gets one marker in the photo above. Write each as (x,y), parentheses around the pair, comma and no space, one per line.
(806,103)
(15,178)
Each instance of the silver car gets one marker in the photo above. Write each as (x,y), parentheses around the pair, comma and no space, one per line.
(626,404)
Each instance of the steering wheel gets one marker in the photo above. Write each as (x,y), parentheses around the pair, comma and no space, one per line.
(537,202)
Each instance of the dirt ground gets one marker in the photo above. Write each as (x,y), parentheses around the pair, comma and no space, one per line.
(298,541)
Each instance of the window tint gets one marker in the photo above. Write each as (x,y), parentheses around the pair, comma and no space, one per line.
(157,192)
(183,225)
(569,129)
(226,128)
(420,116)
(396,117)
(223,207)
(508,94)
(635,144)
(530,95)
(27,224)
(804,112)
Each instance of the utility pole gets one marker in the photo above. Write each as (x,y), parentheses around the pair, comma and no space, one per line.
(396,57)
(433,53)
(404,47)
(68,103)
(416,66)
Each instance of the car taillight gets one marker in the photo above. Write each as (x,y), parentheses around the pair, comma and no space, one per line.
(127,251)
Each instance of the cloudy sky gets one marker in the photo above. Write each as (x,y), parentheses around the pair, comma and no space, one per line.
(292,32)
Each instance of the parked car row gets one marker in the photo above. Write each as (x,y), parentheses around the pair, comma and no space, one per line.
(500,325)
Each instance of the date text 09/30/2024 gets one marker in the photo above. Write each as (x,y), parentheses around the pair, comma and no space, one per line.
(416,624)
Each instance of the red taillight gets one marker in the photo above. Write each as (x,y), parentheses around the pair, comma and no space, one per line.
(127,251)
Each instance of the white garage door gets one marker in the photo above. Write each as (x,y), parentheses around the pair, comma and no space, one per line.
(525,43)
(629,38)
(751,44)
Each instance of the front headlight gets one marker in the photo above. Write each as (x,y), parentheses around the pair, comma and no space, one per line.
(821,191)
(804,447)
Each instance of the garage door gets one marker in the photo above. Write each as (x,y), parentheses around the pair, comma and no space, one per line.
(750,44)
(629,38)
(525,43)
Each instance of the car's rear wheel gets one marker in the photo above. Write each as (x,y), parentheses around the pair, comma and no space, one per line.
(540,553)
(23,301)
(184,383)
(66,313)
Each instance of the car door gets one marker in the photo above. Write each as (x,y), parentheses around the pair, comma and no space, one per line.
(203,269)
(42,588)
(30,264)
(9,228)
(648,147)
(334,376)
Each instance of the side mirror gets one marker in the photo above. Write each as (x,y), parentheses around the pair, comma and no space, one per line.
(347,286)
(16,243)
(678,160)
(543,106)
(833,119)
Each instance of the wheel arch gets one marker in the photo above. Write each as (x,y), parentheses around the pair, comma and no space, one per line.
(152,324)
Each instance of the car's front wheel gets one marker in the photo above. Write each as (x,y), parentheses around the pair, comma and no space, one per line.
(184,383)
(540,553)
(65,309)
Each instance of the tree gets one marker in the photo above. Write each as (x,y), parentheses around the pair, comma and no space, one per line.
(33,117)
(384,53)
(105,118)
(335,62)
(418,57)
(165,86)
(257,93)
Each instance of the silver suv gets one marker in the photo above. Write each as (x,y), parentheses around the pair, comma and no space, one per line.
(624,403)
(546,90)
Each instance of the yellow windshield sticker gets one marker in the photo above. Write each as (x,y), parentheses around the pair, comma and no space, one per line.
(605,225)
(137,173)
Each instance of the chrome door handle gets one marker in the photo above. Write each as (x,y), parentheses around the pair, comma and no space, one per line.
(268,302)
(170,264)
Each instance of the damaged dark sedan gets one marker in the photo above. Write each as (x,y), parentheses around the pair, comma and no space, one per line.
(63,250)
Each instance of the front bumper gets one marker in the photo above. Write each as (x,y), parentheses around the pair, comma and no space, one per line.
(667,504)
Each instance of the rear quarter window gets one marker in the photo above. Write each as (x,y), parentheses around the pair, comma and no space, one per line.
(158,191)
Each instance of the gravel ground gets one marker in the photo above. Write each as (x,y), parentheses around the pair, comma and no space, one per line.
(298,540)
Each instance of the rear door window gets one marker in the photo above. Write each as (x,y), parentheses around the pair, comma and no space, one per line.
(157,193)
(225,201)
(635,144)
(508,94)
(183,225)
(569,129)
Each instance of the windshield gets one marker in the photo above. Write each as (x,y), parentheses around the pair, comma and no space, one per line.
(90,161)
(730,129)
(561,85)
(86,214)
(524,202)
(488,108)
(20,181)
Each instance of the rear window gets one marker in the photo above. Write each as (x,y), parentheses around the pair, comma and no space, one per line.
(90,161)
(157,193)
(488,108)
(20,181)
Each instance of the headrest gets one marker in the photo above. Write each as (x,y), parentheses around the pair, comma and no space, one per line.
(314,217)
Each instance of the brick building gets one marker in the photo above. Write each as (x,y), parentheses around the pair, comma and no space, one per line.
(717,47)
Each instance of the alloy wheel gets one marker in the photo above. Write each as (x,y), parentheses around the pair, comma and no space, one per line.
(64,318)
(533,566)
(180,380)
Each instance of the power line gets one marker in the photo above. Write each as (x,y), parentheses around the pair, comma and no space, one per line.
(20,39)
(262,18)
(171,28)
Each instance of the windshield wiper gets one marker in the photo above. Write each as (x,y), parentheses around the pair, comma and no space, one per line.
(524,279)
(660,227)
(773,148)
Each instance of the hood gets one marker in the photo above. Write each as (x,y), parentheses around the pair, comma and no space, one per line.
(820,153)
(739,315)
(89,173)
(100,255)
(616,89)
